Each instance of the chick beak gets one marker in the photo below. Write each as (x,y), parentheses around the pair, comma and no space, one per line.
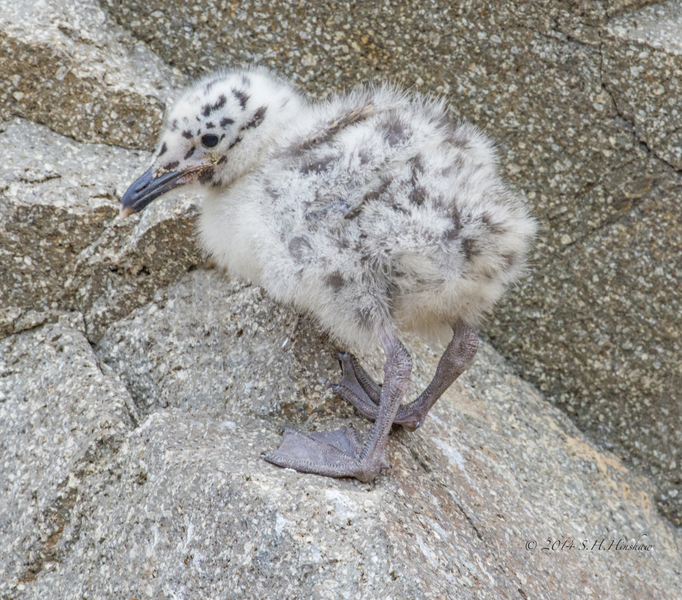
(147,188)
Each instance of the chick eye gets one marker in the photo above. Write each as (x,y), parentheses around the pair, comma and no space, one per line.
(209,140)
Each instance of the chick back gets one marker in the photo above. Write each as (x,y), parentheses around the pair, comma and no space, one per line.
(380,214)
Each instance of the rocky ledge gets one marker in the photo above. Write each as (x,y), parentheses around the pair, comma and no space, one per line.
(133,469)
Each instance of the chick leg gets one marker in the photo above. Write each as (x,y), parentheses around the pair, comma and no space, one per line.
(357,386)
(337,453)
(455,360)
(359,389)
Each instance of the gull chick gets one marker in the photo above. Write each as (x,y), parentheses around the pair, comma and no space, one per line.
(371,211)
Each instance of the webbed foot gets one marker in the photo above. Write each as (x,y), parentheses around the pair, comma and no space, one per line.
(339,453)
(331,453)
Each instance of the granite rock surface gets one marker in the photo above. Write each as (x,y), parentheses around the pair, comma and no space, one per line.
(642,57)
(63,245)
(63,63)
(159,489)
(62,421)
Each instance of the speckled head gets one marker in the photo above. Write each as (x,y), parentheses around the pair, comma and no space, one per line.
(216,132)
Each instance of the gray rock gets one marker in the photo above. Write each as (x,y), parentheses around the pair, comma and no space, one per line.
(61,420)
(188,509)
(64,64)
(62,244)
(648,93)
(578,21)
(57,197)
(15,320)
(624,317)
(602,326)
(237,344)
(132,258)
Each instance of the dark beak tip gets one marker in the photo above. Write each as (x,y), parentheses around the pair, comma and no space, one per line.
(147,188)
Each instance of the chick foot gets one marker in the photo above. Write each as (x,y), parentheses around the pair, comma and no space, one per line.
(337,453)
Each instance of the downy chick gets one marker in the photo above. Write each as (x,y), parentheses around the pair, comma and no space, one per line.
(371,211)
